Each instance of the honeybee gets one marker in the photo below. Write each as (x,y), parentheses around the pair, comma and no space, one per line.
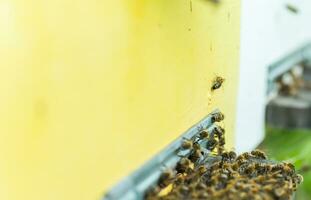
(201,170)
(232,155)
(250,169)
(201,186)
(225,156)
(219,131)
(221,141)
(259,154)
(299,178)
(235,166)
(223,177)
(179,179)
(203,134)
(292,8)
(184,166)
(220,149)
(218,117)
(279,192)
(152,192)
(166,178)
(183,189)
(290,166)
(211,144)
(186,144)
(195,155)
(203,195)
(217,83)
(243,156)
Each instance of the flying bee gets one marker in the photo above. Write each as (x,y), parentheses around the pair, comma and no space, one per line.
(259,154)
(292,8)
(217,83)
(217,117)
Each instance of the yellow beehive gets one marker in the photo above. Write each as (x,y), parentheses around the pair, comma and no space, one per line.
(92,89)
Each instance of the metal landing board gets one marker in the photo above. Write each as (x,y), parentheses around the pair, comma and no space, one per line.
(134,186)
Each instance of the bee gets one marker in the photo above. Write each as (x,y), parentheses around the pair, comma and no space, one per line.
(195,155)
(186,144)
(220,149)
(215,166)
(221,141)
(290,165)
(278,176)
(277,167)
(217,83)
(203,195)
(152,192)
(217,117)
(292,8)
(288,168)
(259,154)
(166,178)
(243,156)
(219,131)
(241,160)
(250,169)
(225,156)
(184,166)
(299,178)
(183,189)
(179,179)
(267,168)
(279,192)
(232,155)
(235,166)
(223,177)
(201,186)
(211,144)
(201,170)
(203,134)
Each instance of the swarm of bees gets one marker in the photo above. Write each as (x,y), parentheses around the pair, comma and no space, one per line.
(209,171)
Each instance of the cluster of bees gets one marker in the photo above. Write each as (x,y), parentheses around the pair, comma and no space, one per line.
(206,170)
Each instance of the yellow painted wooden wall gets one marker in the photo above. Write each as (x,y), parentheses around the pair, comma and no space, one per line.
(89,90)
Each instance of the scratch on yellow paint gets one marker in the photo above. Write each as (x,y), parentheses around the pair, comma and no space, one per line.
(92,89)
